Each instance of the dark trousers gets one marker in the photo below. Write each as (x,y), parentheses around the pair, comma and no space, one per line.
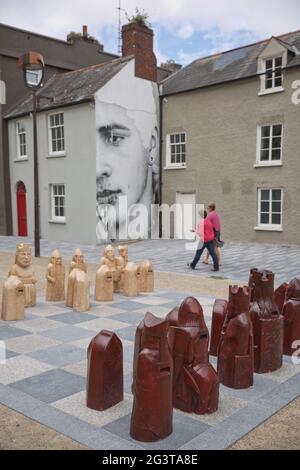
(210,247)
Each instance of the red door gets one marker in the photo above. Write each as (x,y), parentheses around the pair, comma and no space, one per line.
(21,208)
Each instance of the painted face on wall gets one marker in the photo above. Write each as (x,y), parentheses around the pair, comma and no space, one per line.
(121,163)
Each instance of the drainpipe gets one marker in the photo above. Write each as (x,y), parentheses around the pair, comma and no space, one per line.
(160,157)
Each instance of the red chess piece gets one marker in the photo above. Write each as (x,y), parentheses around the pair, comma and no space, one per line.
(152,412)
(235,356)
(291,317)
(279,296)
(218,318)
(267,322)
(195,382)
(105,371)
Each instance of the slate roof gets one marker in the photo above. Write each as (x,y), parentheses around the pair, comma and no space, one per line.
(227,66)
(69,88)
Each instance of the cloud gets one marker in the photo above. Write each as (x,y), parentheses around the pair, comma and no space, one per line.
(186,31)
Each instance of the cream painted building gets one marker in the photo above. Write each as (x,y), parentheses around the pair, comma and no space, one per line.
(231,134)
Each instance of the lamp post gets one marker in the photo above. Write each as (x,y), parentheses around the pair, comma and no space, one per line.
(32,64)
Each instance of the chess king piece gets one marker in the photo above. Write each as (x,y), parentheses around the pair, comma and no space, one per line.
(152,412)
(235,354)
(104,286)
(13,299)
(22,269)
(131,280)
(218,318)
(267,322)
(55,290)
(146,276)
(105,371)
(195,381)
(291,317)
(109,259)
(78,292)
(122,261)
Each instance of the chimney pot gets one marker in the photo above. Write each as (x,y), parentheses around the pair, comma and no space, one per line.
(84,31)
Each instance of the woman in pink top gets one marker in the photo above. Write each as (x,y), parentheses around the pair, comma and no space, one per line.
(206,233)
(215,220)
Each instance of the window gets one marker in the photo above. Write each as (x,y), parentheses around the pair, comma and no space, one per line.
(273,69)
(21,141)
(269,144)
(270,208)
(33,77)
(57,192)
(56,134)
(176,149)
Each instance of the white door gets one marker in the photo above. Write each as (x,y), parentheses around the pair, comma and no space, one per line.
(185,215)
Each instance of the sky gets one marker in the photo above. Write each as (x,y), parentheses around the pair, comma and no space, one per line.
(184,29)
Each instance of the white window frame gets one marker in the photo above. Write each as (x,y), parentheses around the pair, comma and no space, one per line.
(269,162)
(269,226)
(53,216)
(58,153)
(19,144)
(180,165)
(36,77)
(274,89)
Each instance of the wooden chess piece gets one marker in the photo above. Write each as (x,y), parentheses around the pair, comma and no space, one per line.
(104,286)
(78,292)
(13,299)
(55,289)
(23,270)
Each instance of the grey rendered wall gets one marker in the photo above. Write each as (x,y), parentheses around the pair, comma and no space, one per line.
(76,170)
(221,126)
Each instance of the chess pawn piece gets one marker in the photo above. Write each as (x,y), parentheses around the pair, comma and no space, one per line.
(279,296)
(104,371)
(55,290)
(78,291)
(267,322)
(218,318)
(22,269)
(235,355)
(152,412)
(13,299)
(109,259)
(291,317)
(122,261)
(104,286)
(146,277)
(131,280)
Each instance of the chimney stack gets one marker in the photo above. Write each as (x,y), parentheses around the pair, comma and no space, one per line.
(137,40)
(84,31)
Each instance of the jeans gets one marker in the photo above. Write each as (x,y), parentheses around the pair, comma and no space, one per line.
(211,250)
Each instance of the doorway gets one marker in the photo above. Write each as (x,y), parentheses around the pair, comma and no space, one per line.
(21,209)
(185,215)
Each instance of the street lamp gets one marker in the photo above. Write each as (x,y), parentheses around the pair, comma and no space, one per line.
(33,66)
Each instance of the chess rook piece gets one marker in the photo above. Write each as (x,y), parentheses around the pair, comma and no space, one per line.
(267,322)
(291,317)
(146,277)
(279,296)
(78,292)
(195,381)
(152,412)
(109,259)
(122,261)
(235,354)
(104,286)
(218,318)
(13,299)
(55,289)
(22,269)
(105,371)
(131,280)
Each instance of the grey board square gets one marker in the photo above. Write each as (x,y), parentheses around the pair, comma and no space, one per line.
(7,332)
(127,383)
(9,354)
(51,386)
(68,333)
(128,350)
(72,318)
(184,429)
(127,333)
(261,386)
(133,317)
(60,355)
(128,305)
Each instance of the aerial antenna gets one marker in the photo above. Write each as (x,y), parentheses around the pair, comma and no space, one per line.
(120,29)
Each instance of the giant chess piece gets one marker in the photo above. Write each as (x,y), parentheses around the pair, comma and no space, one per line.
(22,269)
(146,279)
(195,381)
(104,286)
(122,261)
(55,290)
(235,355)
(109,259)
(78,292)
(152,413)
(218,318)
(291,317)
(13,299)
(267,322)
(105,371)
(280,296)
(131,280)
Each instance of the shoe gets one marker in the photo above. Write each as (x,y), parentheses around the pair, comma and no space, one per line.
(190,266)
(215,269)
(205,262)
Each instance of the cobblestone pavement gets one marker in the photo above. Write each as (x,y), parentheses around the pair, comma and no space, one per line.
(172,256)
